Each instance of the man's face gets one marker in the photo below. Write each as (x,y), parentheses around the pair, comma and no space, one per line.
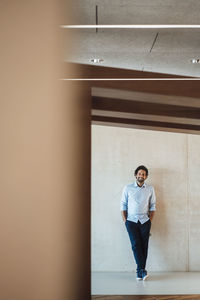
(141,176)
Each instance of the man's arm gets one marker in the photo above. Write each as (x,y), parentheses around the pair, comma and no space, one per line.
(152,207)
(124,204)
(124,215)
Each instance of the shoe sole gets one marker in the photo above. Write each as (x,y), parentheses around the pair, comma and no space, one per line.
(145,277)
(138,278)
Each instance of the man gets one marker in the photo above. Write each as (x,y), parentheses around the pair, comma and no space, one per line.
(137,208)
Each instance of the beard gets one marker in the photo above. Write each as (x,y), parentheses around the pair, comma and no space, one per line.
(140,179)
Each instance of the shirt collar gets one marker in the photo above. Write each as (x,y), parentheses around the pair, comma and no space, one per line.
(136,185)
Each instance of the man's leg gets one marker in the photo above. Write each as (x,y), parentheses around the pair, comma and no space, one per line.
(144,232)
(135,238)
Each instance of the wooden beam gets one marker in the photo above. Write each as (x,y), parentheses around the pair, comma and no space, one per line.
(143,124)
(93,71)
(119,105)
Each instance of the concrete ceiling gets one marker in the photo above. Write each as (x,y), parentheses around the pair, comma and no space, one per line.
(167,51)
(135,11)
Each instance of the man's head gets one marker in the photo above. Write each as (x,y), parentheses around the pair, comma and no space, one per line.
(141,174)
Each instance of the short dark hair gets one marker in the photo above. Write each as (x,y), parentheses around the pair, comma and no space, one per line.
(141,168)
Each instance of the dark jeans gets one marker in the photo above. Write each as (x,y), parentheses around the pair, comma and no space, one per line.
(139,237)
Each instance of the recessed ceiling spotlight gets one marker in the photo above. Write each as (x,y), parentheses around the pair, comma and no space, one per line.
(96,60)
(195,60)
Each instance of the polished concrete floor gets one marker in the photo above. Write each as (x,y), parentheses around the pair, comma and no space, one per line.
(165,283)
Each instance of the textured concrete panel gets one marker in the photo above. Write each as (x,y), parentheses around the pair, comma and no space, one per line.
(116,152)
(135,11)
(148,12)
(194,201)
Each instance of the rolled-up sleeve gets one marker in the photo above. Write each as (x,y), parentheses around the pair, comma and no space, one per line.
(152,202)
(124,199)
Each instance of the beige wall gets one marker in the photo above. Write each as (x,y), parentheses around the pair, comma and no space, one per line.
(45,199)
(116,152)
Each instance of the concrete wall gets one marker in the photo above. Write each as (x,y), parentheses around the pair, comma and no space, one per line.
(173,162)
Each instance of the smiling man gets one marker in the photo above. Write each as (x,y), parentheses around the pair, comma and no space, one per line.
(138,205)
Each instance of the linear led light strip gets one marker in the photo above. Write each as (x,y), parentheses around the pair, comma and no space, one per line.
(131,26)
(127,79)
